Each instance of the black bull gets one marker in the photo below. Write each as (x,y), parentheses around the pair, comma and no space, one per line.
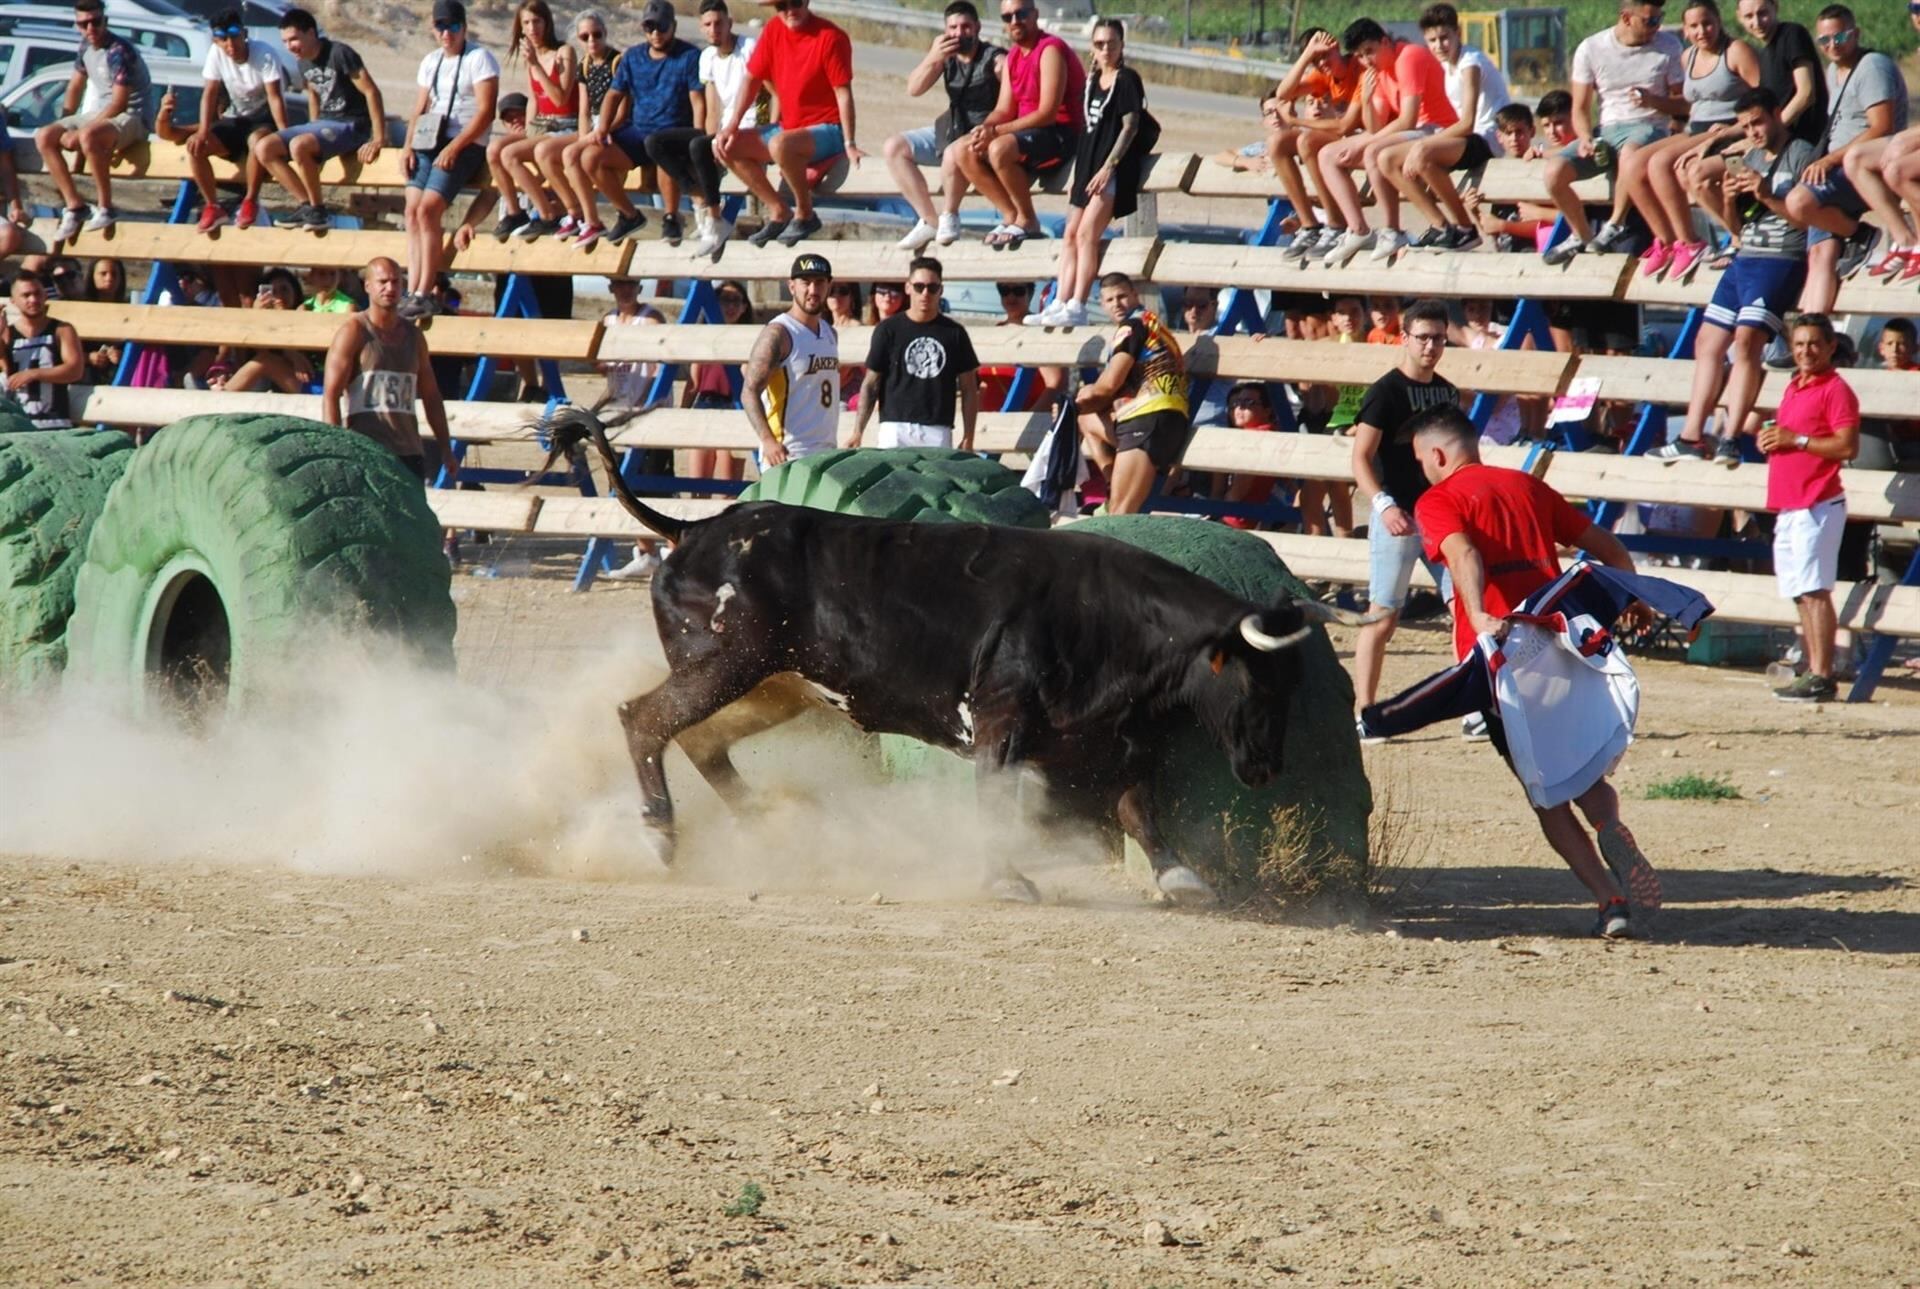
(1059,650)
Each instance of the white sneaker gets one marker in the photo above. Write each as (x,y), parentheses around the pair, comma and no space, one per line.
(949,230)
(642,566)
(1349,245)
(70,221)
(1072,314)
(1386,244)
(1473,727)
(919,235)
(718,231)
(103,218)
(1047,317)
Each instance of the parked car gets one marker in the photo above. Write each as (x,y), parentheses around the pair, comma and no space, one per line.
(33,36)
(36,102)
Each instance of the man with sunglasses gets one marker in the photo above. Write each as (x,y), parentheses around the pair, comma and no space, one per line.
(446,145)
(969,68)
(916,362)
(343,102)
(1032,129)
(656,88)
(809,63)
(112,66)
(247,74)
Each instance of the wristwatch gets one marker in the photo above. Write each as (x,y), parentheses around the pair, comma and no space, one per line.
(1800,442)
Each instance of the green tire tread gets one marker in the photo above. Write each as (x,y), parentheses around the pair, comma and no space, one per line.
(929,484)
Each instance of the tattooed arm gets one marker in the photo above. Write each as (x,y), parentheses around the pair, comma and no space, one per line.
(769,351)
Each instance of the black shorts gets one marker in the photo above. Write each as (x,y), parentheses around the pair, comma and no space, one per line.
(418,466)
(1475,154)
(1161,435)
(235,133)
(1045,147)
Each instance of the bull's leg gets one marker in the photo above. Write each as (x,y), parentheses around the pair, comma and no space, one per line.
(1176,881)
(996,750)
(655,719)
(774,702)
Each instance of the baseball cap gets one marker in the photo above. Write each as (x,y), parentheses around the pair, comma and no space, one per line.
(449,11)
(514,102)
(811,266)
(658,12)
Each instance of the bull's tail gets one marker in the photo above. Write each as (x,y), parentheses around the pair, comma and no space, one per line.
(571,425)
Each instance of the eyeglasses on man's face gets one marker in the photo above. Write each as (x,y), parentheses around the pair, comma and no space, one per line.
(1427,337)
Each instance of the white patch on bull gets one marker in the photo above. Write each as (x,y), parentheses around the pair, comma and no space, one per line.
(744,543)
(838,701)
(721,596)
(966,723)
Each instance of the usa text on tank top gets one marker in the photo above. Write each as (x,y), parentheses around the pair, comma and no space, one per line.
(44,402)
(380,399)
(802,398)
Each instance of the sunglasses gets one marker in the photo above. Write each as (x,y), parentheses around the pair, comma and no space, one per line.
(1014,288)
(655,28)
(923,288)
(87,24)
(592,37)
(889,290)
(1839,38)
(1011,16)
(449,26)
(781,6)
(228,33)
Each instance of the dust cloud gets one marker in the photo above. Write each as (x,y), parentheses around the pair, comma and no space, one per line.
(372,767)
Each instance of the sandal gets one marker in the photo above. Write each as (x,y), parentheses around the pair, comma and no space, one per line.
(1005,235)
(1721,260)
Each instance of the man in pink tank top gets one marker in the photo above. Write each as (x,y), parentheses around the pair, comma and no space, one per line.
(1033,128)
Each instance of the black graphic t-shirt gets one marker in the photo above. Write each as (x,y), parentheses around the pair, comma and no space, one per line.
(920,365)
(331,77)
(1389,404)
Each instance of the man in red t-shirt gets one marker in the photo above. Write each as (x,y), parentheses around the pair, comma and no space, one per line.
(1409,103)
(1499,532)
(809,63)
(1816,430)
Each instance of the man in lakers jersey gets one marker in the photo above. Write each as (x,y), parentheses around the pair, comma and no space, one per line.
(792,380)
(1134,418)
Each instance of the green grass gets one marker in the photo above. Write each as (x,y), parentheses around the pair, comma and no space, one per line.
(1694,787)
(748,1202)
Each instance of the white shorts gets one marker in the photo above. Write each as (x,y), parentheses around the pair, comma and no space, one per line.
(1806,548)
(908,434)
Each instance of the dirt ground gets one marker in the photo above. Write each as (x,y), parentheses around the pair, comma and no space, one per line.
(247,1039)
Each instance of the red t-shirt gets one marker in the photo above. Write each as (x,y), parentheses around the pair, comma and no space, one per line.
(1513,520)
(1815,407)
(804,67)
(1414,70)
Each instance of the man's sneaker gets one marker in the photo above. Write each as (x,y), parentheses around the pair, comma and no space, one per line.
(918,236)
(1687,259)
(1461,237)
(101,220)
(767,232)
(1366,736)
(1342,251)
(1302,244)
(1611,237)
(1856,252)
(1656,258)
(718,231)
(70,220)
(1727,451)
(671,231)
(414,305)
(510,223)
(1432,240)
(1678,450)
(1638,882)
(212,215)
(1473,728)
(1615,921)
(626,226)
(536,227)
(318,218)
(1562,252)
(642,566)
(1387,243)
(248,215)
(1808,688)
(799,230)
(949,232)
(588,236)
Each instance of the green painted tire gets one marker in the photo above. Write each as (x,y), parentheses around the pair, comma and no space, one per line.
(1304,834)
(928,484)
(53,486)
(231,543)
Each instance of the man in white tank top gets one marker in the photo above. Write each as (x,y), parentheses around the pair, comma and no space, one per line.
(792,380)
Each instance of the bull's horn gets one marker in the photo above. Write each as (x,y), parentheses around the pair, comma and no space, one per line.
(1250,628)
(1334,613)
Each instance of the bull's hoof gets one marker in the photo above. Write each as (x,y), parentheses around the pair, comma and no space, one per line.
(1183,886)
(1014,889)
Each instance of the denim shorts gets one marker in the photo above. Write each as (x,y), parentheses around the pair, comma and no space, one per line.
(1390,562)
(337,138)
(1835,192)
(925,143)
(1638,133)
(829,141)
(447,183)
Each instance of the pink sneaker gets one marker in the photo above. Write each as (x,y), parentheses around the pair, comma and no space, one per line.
(1687,257)
(590,235)
(248,214)
(1890,265)
(1654,260)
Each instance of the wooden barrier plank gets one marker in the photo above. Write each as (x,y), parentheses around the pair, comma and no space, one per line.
(1208,178)
(563,340)
(1507,179)
(1168,172)
(1888,394)
(877,261)
(494,512)
(605,517)
(1442,273)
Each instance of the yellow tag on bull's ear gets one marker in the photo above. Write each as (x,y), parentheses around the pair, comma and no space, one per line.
(1219,660)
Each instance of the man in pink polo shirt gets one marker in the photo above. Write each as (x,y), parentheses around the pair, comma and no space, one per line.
(1815,432)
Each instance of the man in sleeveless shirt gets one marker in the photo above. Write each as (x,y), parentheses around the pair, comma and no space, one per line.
(970,70)
(791,385)
(1134,417)
(1032,129)
(379,364)
(43,355)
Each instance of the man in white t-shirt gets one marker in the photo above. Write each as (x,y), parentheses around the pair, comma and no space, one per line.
(1632,73)
(247,74)
(686,152)
(1477,90)
(446,145)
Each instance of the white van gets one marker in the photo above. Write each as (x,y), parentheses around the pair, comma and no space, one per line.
(37,101)
(37,36)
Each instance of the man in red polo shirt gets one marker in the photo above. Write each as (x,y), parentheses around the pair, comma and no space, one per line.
(1815,432)
(809,63)
(1499,532)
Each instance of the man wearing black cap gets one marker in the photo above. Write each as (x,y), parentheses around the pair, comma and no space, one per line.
(445,148)
(791,391)
(656,87)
